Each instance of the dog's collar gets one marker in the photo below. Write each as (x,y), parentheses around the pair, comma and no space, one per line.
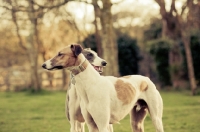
(80,68)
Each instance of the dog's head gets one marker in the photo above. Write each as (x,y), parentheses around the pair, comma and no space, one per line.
(66,58)
(97,62)
(69,58)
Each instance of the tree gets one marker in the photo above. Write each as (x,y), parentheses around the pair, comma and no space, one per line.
(32,14)
(97,14)
(109,46)
(174,26)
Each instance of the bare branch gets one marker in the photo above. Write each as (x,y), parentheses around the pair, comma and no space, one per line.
(51,7)
(183,8)
(161,3)
(16,9)
(17,30)
(116,3)
(173,8)
(41,7)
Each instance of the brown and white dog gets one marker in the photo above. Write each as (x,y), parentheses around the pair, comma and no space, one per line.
(107,100)
(73,110)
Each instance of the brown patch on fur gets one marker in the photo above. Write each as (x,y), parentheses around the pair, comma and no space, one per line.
(125,91)
(143,86)
(128,76)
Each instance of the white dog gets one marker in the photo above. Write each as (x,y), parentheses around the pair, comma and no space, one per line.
(107,100)
(73,110)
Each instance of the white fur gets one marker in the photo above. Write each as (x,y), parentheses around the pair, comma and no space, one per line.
(98,100)
(73,101)
(97,61)
(48,64)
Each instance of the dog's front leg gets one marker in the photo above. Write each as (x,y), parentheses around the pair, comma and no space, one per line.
(100,116)
(73,111)
(73,126)
(88,118)
(89,121)
(110,128)
(79,127)
(76,126)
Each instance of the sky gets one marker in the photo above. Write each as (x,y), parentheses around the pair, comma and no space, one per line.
(144,8)
(84,16)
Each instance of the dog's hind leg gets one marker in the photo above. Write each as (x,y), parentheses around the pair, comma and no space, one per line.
(156,119)
(155,110)
(154,102)
(137,119)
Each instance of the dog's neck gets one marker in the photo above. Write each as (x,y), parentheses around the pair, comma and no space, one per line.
(75,71)
(79,66)
(87,72)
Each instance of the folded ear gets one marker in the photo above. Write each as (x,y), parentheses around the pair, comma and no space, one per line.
(76,49)
(88,48)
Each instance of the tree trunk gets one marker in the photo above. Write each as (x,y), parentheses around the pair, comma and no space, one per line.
(176,27)
(96,24)
(175,62)
(109,46)
(32,49)
(186,41)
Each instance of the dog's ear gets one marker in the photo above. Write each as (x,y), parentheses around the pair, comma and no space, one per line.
(88,48)
(76,49)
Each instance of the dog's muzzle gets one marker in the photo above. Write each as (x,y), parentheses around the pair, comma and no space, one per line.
(55,67)
(103,63)
(44,66)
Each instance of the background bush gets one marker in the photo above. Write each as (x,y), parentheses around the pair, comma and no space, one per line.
(160,50)
(128,52)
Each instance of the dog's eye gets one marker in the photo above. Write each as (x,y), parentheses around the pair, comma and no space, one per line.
(90,54)
(60,54)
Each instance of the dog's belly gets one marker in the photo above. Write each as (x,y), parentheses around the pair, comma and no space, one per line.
(119,111)
(116,116)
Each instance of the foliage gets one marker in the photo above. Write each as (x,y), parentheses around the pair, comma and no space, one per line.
(154,30)
(128,52)
(25,112)
(128,55)
(195,48)
(89,42)
(159,48)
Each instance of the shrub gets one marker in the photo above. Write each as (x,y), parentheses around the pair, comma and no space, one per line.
(128,55)
(159,48)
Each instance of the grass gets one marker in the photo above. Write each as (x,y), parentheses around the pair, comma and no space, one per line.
(45,112)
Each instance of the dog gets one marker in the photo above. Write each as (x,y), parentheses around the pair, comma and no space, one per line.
(107,100)
(73,110)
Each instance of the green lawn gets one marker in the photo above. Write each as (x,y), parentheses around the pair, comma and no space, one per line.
(45,112)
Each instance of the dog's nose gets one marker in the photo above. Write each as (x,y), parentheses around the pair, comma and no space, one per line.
(44,66)
(103,63)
